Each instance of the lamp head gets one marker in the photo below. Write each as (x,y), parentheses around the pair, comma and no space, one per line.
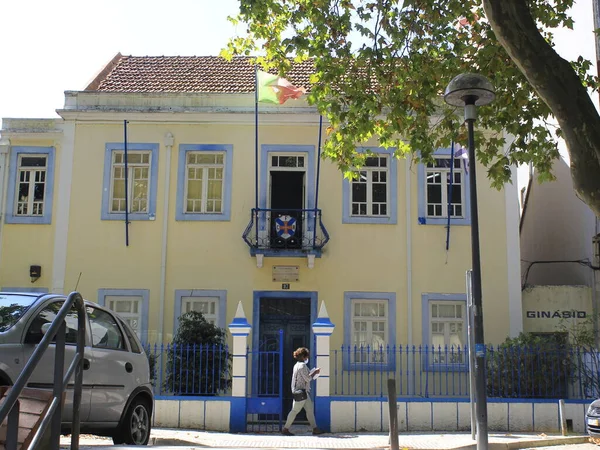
(469,89)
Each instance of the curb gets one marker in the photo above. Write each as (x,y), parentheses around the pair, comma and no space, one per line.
(170,442)
(525,443)
(545,443)
(491,446)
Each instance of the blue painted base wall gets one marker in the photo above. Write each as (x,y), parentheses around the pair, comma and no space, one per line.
(237,415)
(323,413)
(363,414)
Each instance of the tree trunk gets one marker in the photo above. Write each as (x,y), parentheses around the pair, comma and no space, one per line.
(558,85)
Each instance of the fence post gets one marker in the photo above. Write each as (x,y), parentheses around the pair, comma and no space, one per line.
(322,329)
(239,329)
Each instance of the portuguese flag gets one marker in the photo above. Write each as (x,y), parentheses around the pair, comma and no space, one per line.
(274,89)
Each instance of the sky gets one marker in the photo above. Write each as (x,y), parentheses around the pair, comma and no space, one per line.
(54,46)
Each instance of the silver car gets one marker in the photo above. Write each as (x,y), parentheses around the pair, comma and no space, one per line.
(117,397)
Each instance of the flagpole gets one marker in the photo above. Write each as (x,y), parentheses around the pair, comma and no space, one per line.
(318,178)
(450,195)
(256,148)
(126,185)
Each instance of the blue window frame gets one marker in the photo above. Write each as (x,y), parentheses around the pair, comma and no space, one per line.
(268,152)
(131,305)
(30,185)
(205,169)
(373,197)
(444,318)
(369,320)
(434,188)
(142,204)
(212,303)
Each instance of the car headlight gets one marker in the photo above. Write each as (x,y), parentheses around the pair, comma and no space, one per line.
(590,409)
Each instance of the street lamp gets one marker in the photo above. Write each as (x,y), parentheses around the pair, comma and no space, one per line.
(472,90)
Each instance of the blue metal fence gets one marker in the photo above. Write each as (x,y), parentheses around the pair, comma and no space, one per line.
(264,406)
(190,369)
(419,371)
(427,371)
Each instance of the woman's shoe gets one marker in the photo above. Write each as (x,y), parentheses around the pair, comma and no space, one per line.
(287,432)
(317,431)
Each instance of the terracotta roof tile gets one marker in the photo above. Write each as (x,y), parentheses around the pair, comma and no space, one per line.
(208,74)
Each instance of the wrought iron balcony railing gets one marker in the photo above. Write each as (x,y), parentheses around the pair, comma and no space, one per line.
(286,231)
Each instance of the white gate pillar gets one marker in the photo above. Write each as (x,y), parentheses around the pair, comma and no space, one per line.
(239,329)
(323,329)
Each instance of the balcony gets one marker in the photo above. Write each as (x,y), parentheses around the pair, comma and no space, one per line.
(286,232)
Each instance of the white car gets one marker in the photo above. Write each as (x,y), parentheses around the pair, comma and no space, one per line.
(117,398)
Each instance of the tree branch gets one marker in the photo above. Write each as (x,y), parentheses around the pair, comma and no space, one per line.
(557,83)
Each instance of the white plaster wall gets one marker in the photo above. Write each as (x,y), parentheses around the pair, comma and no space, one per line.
(513,417)
(419,416)
(576,413)
(555,215)
(401,411)
(444,416)
(342,416)
(464,416)
(546,417)
(191,414)
(166,413)
(520,417)
(368,416)
(497,416)
(217,416)
(195,414)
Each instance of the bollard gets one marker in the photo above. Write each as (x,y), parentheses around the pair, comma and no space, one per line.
(393,414)
(563,419)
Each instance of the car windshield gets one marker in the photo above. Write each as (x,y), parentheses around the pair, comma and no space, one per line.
(12,307)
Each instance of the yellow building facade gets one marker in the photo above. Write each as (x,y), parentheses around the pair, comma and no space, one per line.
(193,241)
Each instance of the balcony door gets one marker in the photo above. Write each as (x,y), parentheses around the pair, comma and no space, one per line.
(287,175)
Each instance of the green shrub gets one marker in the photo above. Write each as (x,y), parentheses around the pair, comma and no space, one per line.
(198,361)
(530,366)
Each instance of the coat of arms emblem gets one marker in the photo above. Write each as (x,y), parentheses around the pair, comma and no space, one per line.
(285,226)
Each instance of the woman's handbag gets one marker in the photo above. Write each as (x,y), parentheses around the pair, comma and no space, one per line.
(300,395)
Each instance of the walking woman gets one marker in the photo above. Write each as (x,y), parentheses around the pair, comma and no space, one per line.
(301,379)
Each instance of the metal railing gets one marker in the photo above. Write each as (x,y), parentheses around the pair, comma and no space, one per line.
(427,371)
(10,406)
(286,230)
(190,369)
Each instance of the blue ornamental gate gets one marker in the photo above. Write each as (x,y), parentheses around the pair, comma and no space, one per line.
(264,408)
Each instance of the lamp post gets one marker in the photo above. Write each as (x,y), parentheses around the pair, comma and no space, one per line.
(472,90)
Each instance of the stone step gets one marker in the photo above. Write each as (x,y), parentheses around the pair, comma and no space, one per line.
(33,405)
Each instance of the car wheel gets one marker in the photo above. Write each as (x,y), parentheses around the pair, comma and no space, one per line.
(4,381)
(135,429)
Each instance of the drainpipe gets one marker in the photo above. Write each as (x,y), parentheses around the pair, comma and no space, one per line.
(163,254)
(409,309)
(4,151)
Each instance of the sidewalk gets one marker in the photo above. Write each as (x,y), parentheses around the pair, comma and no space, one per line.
(166,438)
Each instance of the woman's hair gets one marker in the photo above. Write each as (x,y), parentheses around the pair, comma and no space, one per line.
(301,354)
